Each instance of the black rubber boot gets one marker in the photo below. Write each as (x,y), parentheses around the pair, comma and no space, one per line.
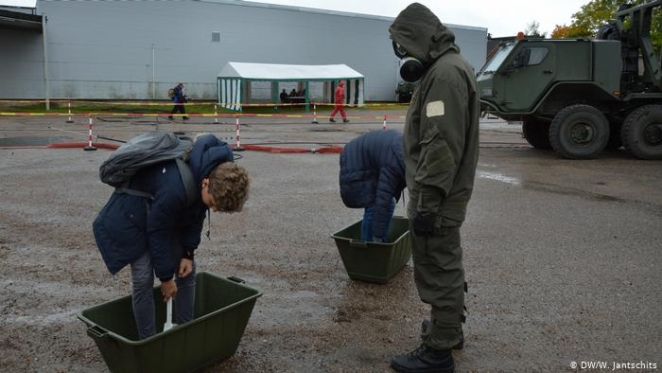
(332,120)
(424,329)
(425,360)
(345,120)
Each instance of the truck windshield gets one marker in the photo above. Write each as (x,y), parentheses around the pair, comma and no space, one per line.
(497,59)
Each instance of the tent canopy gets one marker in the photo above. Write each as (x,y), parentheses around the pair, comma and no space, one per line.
(234,82)
(267,71)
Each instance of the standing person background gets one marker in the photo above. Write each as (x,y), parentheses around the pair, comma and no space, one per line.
(441,154)
(372,176)
(339,103)
(179,99)
(158,236)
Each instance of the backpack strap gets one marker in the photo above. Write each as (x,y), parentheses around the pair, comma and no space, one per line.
(132,192)
(188,180)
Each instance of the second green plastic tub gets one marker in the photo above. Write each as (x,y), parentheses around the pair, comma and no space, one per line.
(372,261)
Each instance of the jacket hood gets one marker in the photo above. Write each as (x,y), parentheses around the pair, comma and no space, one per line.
(208,152)
(341,84)
(422,34)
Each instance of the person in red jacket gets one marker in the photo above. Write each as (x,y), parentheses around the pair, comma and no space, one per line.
(339,101)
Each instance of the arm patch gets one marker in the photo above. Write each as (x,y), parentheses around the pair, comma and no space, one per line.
(434,109)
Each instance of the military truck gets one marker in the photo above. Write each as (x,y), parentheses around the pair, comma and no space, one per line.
(580,96)
(404,92)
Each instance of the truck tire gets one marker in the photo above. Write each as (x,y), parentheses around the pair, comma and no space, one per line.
(536,132)
(642,132)
(579,132)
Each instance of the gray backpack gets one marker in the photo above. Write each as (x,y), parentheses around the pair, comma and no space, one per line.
(145,150)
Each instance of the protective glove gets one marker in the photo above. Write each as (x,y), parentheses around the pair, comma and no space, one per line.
(424,223)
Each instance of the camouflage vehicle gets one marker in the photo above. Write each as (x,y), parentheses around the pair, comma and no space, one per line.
(580,96)
(404,91)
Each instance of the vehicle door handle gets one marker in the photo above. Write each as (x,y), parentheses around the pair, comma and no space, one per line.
(547,71)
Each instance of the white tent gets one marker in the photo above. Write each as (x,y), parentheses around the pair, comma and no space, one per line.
(236,79)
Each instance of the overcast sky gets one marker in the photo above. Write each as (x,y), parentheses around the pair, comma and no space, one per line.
(500,17)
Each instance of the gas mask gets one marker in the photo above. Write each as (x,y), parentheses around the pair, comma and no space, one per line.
(411,69)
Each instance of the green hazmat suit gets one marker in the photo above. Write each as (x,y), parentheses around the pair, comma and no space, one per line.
(441,153)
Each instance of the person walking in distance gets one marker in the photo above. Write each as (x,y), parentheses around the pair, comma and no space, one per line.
(179,99)
(339,103)
(441,153)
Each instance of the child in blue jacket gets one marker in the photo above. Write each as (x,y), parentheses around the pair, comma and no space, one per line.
(159,236)
(372,176)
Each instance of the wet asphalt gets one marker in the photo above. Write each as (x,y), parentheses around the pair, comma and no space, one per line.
(562,257)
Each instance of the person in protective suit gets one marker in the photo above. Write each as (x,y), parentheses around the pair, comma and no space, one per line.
(441,153)
(339,103)
(372,176)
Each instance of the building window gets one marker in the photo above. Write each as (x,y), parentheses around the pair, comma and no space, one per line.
(215,37)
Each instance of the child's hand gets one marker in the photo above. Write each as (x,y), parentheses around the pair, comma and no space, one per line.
(185,268)
(168,289)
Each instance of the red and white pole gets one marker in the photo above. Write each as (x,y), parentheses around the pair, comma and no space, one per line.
(238,136)
(69,105)
(314,114)
(215,114)
(89,146)
(384,125)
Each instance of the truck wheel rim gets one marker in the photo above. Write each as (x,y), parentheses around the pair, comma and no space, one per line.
(653,134)
(582,133)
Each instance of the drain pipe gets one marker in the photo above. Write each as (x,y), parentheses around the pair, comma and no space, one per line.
(44,20)
(153,75)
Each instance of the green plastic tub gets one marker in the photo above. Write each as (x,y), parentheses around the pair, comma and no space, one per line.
(222,309)
(372,261)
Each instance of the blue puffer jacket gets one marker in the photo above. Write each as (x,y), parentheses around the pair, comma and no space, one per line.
(372,172)
(179,97)
(128,225)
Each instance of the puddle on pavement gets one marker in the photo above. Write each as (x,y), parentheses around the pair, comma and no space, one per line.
(328,128)
(31,140)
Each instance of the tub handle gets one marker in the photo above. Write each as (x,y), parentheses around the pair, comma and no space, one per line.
(358,244)
(236,279)
(95,331)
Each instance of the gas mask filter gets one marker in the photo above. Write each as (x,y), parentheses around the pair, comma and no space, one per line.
(411,69)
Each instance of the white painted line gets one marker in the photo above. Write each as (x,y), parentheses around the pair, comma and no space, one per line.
(498,177)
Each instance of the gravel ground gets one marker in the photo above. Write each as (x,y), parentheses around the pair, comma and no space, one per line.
(562,257)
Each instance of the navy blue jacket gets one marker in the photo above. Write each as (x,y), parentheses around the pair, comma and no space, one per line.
(372,173)
(128,225)
(179,97)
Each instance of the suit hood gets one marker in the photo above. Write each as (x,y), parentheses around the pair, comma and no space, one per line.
(422,34)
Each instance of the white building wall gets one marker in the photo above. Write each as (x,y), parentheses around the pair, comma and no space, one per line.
(138,49)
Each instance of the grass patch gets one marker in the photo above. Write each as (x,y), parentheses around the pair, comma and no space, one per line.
(164,107)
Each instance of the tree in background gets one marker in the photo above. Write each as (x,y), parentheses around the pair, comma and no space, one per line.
(532,29)
(594,14)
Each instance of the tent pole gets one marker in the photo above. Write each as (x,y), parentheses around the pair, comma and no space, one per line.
(307,96)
